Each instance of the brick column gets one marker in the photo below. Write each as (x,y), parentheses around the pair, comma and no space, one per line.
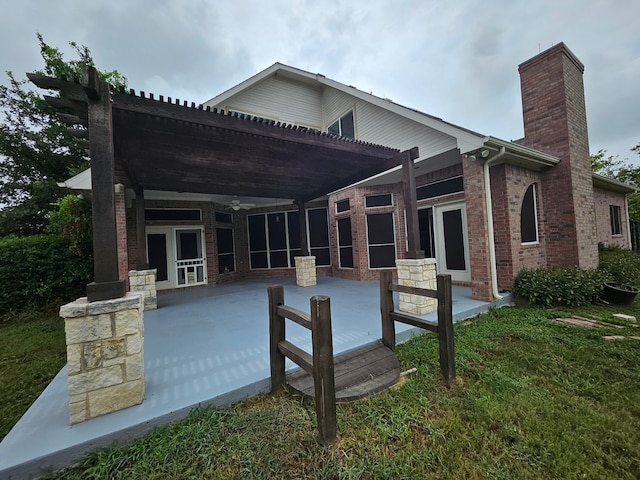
(420,273)
(121,231)
(105,361)
(144,282)
(305,271)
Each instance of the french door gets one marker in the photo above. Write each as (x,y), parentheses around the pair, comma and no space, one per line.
(443,236)
(178,255)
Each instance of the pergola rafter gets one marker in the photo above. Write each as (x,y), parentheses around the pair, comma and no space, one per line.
(158,145)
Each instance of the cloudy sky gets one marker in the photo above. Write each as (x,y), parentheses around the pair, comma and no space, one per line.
(454,59)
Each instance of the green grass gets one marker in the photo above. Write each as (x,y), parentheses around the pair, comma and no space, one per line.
(537,399)
(32,352)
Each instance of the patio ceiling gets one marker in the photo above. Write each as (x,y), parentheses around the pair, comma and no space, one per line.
(166,145)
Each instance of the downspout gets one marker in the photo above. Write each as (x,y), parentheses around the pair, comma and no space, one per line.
(626,209)
(492,244)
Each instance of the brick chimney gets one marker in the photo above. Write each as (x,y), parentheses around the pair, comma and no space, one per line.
(555,122)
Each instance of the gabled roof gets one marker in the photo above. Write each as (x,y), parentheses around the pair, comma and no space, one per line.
(467,140)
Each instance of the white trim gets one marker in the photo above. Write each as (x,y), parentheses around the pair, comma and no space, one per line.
(441,253)
(378,195)
(535,216)
(395,240)
(345,246)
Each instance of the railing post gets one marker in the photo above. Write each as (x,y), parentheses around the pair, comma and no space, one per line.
(445,329)
(386,307)
(276,335)
(323,378)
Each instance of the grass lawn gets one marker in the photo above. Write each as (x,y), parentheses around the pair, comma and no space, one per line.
(537,399)
(32,352)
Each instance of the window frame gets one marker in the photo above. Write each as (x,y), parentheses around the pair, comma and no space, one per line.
(390,204)
(233,248)
(615,220)
(340,246)
(369,245)
(339,123)
(534,208)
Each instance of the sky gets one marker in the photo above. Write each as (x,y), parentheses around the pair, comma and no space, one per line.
(457,60)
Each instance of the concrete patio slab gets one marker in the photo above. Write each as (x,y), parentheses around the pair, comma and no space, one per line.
(206,346)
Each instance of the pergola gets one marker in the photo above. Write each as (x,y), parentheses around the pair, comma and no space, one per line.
(158,144)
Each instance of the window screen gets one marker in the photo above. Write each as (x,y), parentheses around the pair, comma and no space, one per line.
(381,238)
(382,200)
(345,246)
(528,220)
(616,226)
(437,189)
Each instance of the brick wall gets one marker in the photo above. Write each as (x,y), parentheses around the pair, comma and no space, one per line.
(555,122)
(508,186)
(603,200)
(121,233)
(477,229)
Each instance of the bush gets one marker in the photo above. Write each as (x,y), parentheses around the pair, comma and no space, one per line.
(620,265)
(40,269)
(560,286)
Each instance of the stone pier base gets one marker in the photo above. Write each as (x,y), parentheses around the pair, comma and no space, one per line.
(105,363)
(305,271)
(419,273)
(144,281)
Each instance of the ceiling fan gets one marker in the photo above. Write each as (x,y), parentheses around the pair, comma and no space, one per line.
(236,205)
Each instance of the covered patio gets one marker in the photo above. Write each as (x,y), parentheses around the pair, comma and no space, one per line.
(206,346)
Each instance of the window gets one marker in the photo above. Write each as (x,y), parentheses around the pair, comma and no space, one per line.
(616,226)
(383,200)
(345,245)
(438,189)
(344,126)
(274,238)
(318,224)
(226,250)
(529,217)
(381,240)
(171,214)
(343,206)
(223,217)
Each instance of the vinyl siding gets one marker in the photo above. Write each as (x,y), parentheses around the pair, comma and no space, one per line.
(297,103)
(282,100)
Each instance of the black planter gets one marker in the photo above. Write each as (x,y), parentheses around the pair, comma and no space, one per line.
(619,293)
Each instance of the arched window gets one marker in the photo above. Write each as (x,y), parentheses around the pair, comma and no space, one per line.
(529,216)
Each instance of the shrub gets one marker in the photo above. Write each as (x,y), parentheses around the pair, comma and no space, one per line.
(560,286)
(40,269)
(620,265)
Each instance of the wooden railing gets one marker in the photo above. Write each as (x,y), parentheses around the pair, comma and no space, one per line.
(443,327)
(319,365)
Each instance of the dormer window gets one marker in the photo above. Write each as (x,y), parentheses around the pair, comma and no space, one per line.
(344,126)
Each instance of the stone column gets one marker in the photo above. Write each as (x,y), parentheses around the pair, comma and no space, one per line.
(144,281)
(105,361)
(305,271)
(420,273)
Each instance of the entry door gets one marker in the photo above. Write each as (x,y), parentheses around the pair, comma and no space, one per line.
(452,246)
(178,255)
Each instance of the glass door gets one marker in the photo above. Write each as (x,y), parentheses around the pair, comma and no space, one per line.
(190,266)
(452,247)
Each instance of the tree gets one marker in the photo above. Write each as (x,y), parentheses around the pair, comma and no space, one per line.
(36,149)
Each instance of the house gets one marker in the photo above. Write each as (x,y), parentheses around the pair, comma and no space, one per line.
(486,207)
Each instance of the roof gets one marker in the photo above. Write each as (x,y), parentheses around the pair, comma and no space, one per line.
(169,146)
(468,140)
(612,184)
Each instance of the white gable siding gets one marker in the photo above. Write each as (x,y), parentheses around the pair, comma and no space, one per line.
(380,126)
(282,100)
(335,104)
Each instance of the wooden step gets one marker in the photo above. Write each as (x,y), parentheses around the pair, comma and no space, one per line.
(359,373)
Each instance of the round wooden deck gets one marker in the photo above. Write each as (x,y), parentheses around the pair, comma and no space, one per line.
(358,374)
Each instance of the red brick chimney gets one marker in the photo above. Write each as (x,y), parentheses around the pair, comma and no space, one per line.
(555,122)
